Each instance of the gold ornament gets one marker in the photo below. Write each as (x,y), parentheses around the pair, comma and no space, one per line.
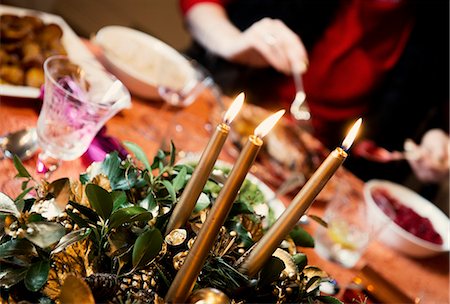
(176,237)
(208,296)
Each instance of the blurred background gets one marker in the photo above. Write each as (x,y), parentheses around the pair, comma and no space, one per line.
(86,17)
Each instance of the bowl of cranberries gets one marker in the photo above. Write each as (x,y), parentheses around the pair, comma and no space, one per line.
(416,227)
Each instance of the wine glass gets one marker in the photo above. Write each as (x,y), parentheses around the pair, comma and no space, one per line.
(194,80)
(79,97)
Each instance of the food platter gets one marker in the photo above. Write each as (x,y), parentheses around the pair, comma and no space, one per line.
(74,46)
(273,207)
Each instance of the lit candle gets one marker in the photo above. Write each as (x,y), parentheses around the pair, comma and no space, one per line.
(185,279)
(191,193)
(286,222)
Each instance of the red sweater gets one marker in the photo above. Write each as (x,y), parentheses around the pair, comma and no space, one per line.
(360,45)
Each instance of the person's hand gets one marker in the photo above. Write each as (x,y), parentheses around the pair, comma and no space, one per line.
(269,42)
(429,160)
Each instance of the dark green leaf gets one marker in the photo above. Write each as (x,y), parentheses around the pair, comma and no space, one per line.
(301,237)
(328,300)
(120,241)
(173,154)
(146,247)
(86,211)
(100,200)
(112,168)
(119,199)
(301,260)
(7,206)
(35,217)
(241,208)
(202,202)
(45,233)
(271,271)
(318,220)
(16,247)
(11,276)
(139,153)
(84,178)
(71,238)
(24,184)
(158,160)
(243,235)
(78,219)
(128,215)
(21,171)
(37,275)
(179,181)
(24,192)
(149,203)
(170,189)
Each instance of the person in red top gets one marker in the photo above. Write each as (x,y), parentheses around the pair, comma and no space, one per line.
(383,60)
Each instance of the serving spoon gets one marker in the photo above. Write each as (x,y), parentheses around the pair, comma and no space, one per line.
(22,143)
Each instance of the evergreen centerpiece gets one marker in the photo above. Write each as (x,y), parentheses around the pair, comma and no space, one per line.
(100,239)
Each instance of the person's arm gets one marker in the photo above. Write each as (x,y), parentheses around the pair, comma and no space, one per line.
(268,42)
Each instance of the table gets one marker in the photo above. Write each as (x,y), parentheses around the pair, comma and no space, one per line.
(147,122)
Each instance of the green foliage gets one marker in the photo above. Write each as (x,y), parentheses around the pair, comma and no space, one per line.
(123,227)
(100,199)
(301,237)
(146,247)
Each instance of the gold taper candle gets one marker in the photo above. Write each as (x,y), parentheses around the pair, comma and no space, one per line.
(191,193)
(185,279)
(263,250)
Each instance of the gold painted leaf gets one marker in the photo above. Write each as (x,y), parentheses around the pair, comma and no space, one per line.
(75,290)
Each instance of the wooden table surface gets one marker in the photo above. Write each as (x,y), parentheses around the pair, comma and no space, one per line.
(147,122)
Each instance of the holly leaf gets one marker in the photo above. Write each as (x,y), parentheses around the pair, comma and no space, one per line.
(100,200)
(146,247)
(37,275)
(7,206)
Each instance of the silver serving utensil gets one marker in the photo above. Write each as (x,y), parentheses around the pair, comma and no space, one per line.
(22,143)
(299,109)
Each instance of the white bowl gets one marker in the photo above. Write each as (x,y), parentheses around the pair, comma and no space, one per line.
(394,235)
(142,62)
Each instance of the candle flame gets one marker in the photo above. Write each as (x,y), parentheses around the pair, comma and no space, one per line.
(234,109)
(351,135)
(267,124)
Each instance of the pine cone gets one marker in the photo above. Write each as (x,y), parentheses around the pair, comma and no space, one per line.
(102,285)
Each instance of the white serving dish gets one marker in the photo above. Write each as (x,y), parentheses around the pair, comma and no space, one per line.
(394,235)
(142,62)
